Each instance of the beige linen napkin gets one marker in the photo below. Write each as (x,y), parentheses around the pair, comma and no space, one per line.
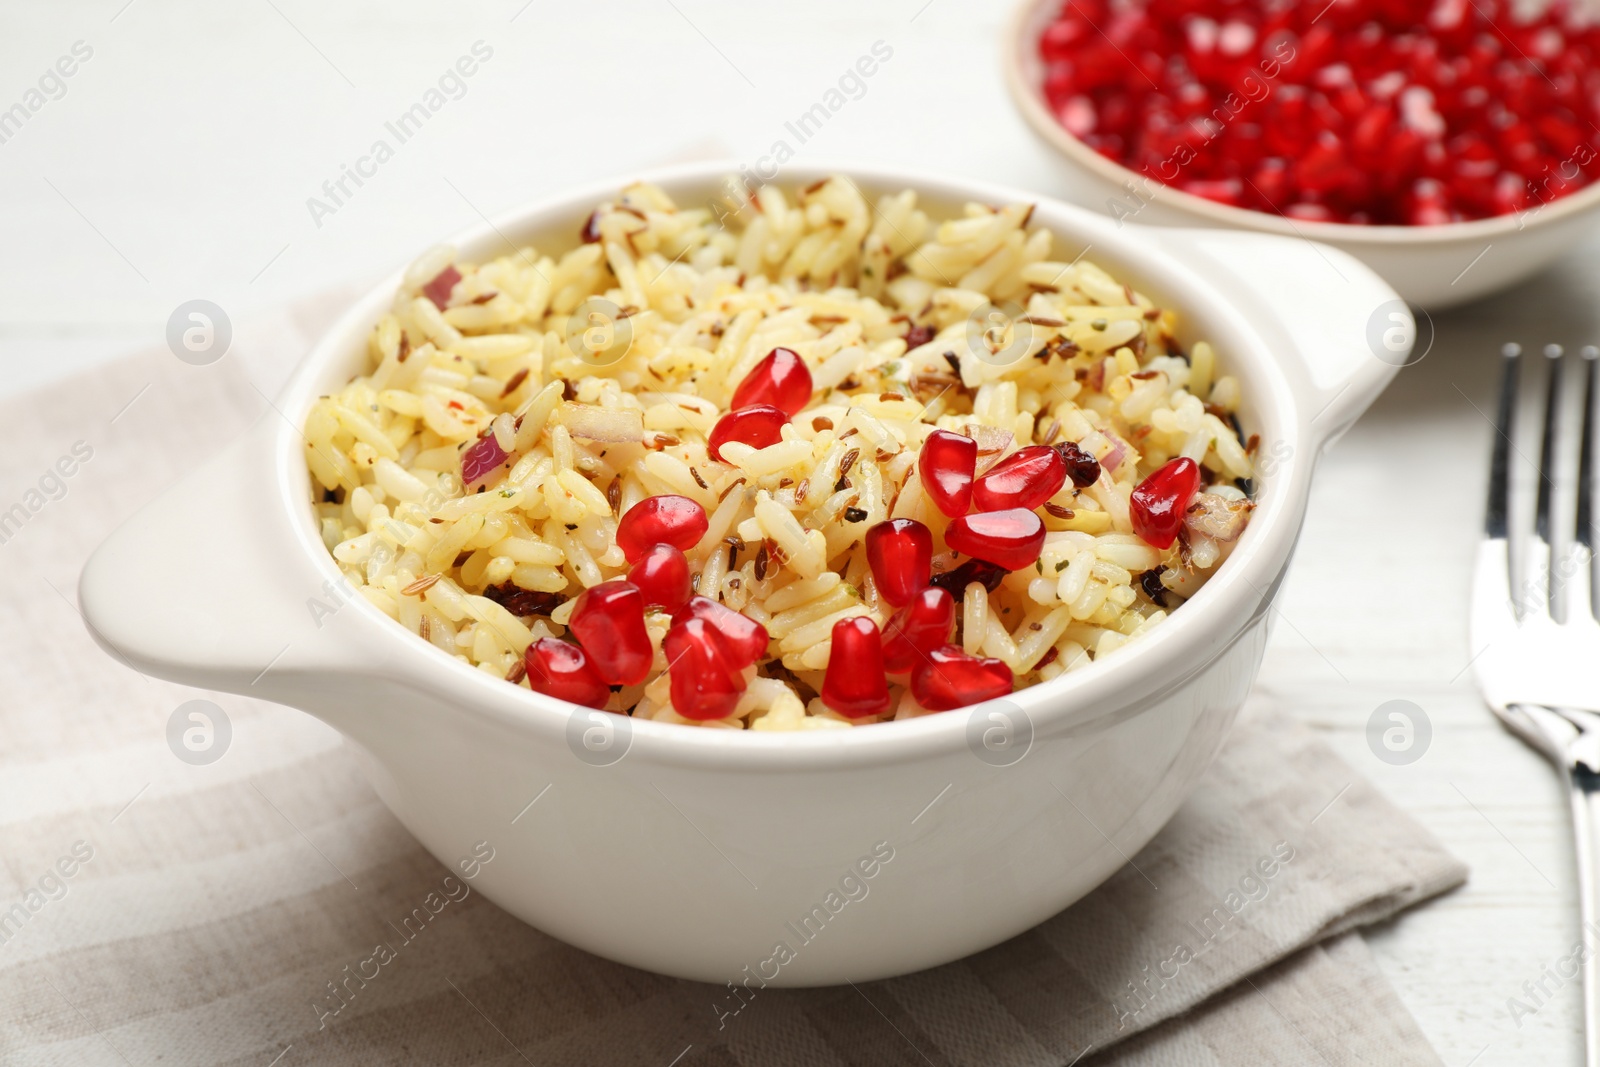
(152,911)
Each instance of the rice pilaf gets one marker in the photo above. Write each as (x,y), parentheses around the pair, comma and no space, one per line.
(471,482)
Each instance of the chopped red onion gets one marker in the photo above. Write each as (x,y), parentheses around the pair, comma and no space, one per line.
(481,460)
(440,288)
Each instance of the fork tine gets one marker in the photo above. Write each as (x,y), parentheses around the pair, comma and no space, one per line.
(1585,515)
(1547,469)
(1502,597)
(1581,596)
(1496,606)
(1507,552)
(1544,545)
(1497,513)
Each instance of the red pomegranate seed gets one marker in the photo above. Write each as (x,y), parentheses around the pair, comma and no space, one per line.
(855,685)
(608,621)
(946,464)
(481,460)
(917,629)
(1158,504)
(662,575)
(705,683)
(1025,479)
(442,285)
(1428,204)
(661,520)
(1012,538)
(1272,180)
(746,639)
(900,553)
(949,678)
(1222,190)
(758,426)
(780,380)
(560,669)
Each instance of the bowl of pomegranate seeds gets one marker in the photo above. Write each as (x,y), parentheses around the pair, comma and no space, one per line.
(739,561)
(1449,144)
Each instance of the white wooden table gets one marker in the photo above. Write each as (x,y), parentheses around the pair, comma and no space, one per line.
(179,161)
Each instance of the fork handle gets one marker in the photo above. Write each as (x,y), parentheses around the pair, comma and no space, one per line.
(1584,786)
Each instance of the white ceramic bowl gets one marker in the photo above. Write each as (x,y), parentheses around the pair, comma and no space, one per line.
(1431,266)
(697,851)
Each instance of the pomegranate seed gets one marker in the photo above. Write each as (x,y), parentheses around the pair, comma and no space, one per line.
(917,629)
(1012,538)
(746,639)
(443,284)
(781,380)
(662,575)
(949,678)
(973,570)
(900,552)
(1428,204)
(1060,37)
(855,685)
(608,621)
(1221,190)
(1510,193)
(1158,504)
(1310,212)
(481,460)
(705,683)
(1271,180)
(758,426)
(560,669)
(946,464)
(1082,468)
(661,520)
(1077,114)
(1025,479)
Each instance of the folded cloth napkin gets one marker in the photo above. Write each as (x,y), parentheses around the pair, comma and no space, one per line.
(153,910)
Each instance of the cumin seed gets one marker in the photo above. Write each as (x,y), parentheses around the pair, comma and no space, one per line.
(421,585)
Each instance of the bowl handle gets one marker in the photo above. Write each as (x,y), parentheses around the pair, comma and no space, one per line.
(207,586)
(1343,331)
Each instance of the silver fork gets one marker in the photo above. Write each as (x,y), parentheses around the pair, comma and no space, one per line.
(1533,621)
